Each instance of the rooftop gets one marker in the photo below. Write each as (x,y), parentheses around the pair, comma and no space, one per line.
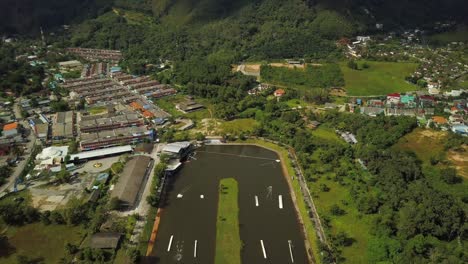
(105,240)
(101,152)
(131,180)
(11,126)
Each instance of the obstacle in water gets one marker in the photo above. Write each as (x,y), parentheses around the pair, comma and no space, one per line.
(280,201)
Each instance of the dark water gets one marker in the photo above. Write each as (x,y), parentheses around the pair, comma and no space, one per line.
(191,218)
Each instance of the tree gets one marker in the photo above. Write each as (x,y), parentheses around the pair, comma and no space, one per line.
(342,239)
(71,249)
(200,136)
(336,210)
(449,175)
(352,65)
(57,218)
(63,176)
(134,255)
(115,203)
(67,159)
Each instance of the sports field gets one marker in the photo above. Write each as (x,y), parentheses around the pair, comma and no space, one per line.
(380,78)
(194,212)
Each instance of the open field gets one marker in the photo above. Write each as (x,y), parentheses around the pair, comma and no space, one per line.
(428,143)
(458,35)
(235,127)
(327,133)
(380,78)
(187,229)
(228,242)
(41,242)
(356,225)
(97,110)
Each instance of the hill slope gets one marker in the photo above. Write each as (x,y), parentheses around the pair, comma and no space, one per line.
(25,16)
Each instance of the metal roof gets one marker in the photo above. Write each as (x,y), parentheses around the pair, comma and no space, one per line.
(101,152)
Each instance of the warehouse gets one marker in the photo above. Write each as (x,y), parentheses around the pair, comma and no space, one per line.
(131,181)
(117,137)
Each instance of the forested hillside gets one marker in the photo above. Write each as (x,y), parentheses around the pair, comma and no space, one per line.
(26,16)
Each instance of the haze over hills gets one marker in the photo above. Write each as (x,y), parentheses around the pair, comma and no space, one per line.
(26,16)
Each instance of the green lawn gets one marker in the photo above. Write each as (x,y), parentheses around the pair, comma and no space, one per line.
(326,133)
(458,35)
(228,242)
(356,225)
(379,79)
(97,110)
(237,126)
(38,241)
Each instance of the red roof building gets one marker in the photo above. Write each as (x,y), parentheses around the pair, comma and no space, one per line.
(10,126)
(279,93)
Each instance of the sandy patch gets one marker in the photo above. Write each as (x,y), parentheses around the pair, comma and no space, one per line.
(460,161)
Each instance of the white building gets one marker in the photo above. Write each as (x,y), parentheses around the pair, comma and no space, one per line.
(52,156)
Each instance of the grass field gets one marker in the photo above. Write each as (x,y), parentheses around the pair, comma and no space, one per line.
(228,242)
(41,242)
(379,79)
(458,35)
(235,127)
(356,225)
(426,144)
(326,133)
(97,110)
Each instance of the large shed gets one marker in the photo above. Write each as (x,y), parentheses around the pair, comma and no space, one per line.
(105,240)
(131,181)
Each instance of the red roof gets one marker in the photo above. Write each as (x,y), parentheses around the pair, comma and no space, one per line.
(279,92)
(394,95)
(136,105)
(10,126)
(148,114)
(426,97)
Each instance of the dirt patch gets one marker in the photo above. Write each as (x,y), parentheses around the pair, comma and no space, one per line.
(338,92)
(432,134)
(253,68)
(287,65)
(460,161)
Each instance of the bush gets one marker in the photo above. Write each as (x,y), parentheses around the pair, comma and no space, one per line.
(324,188)
(336,210)
(449,175)
(352,65)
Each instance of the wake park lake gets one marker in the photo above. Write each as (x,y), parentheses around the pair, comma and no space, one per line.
(268,224)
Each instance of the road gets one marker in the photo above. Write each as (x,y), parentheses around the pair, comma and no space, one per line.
(20,166)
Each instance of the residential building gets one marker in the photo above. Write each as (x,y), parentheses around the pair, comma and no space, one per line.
(91,124)
(279,93)
(117,137)
(10,130)
(63,126)
(393,99)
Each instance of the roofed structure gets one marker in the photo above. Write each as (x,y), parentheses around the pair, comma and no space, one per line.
(105,240)
(131,181)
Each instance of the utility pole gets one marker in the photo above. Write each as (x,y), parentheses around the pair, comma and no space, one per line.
(43,38)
